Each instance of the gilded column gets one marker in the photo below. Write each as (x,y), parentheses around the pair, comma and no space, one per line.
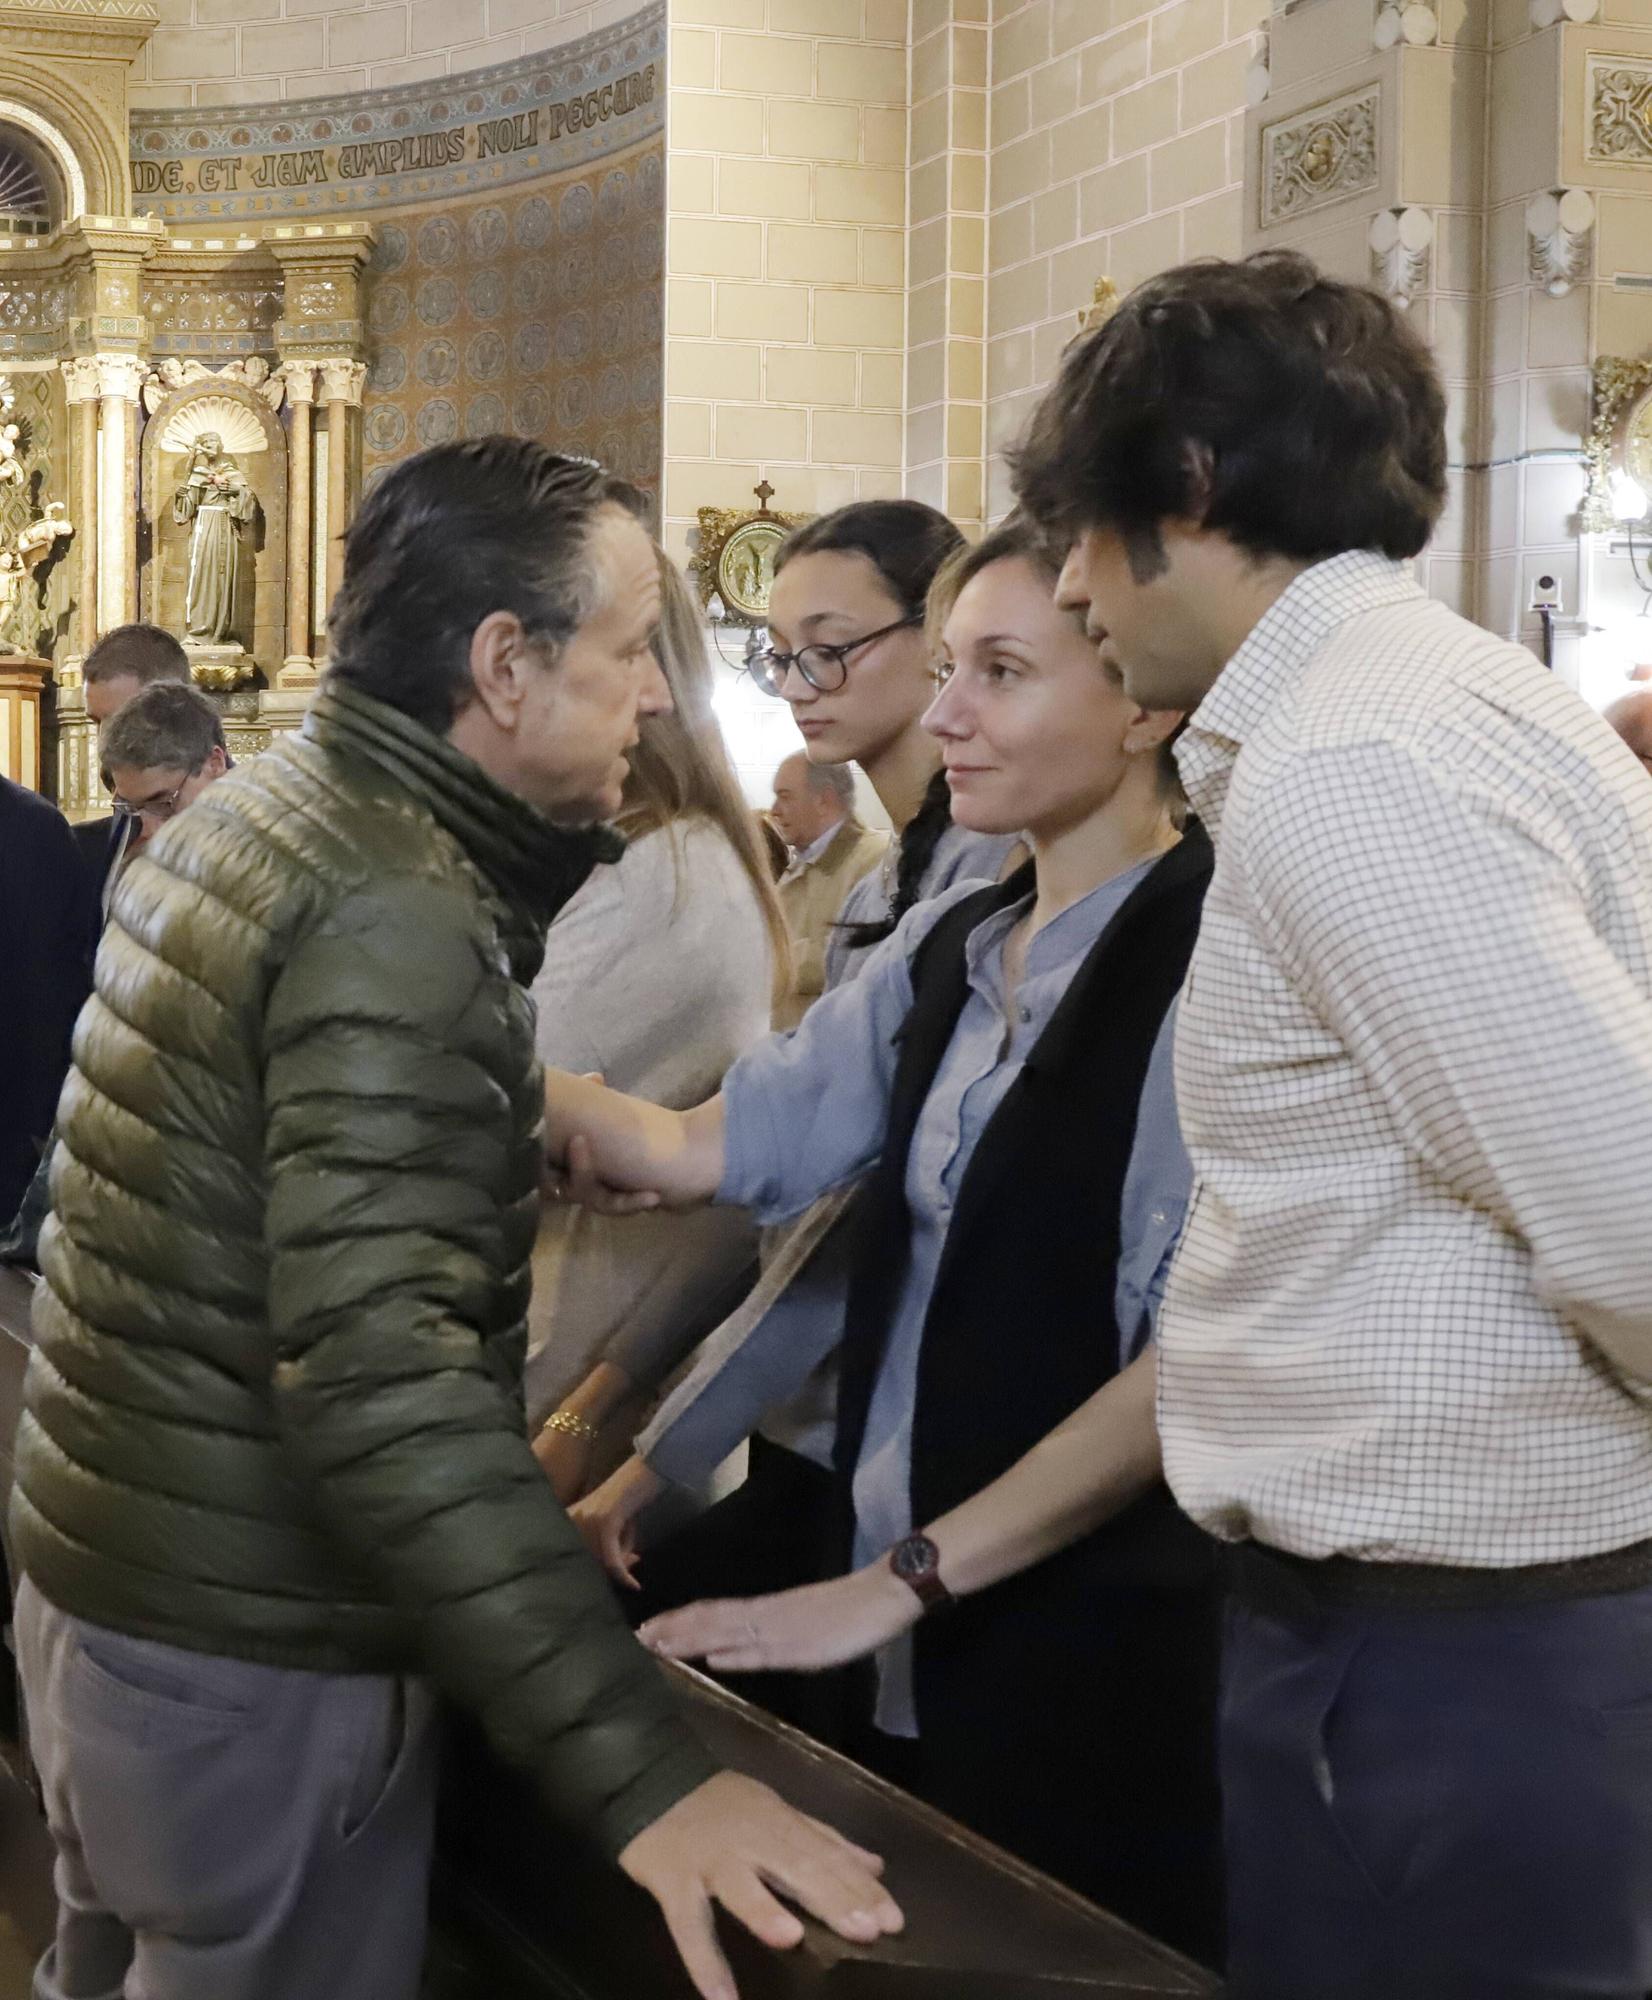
(120,376)
(341,386)
(81,385)
(298,669)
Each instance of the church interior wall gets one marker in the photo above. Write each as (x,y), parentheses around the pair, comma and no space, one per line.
(785,254)
(1117,150)
(243,52)
(343,279)
(837,250)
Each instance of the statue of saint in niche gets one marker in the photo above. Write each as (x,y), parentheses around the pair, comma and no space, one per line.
(215,496)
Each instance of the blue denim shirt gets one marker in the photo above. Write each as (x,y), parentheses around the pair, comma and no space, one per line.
(801,1119)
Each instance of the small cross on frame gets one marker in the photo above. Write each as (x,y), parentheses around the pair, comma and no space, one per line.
(765,493)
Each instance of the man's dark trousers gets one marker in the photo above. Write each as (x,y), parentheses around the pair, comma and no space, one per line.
(1439,1804)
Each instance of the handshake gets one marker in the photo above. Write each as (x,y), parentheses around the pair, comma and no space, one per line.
(622,1155)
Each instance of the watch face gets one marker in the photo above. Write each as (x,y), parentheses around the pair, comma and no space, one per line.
(916,1557)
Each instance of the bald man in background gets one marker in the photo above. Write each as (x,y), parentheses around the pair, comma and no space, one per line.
(1631,716)
(814,809)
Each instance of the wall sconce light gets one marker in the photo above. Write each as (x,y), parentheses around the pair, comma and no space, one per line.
(1415,25)
(1258,77)
(748,639)
(1629,508)
(1629,502)
(1560,230)
(1545,13)
(1401,241)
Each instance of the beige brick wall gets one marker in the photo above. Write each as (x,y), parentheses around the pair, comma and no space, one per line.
(785,254)
(215,52)
(947,254)
(1117,139)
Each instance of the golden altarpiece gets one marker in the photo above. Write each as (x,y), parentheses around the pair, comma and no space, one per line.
(165,433)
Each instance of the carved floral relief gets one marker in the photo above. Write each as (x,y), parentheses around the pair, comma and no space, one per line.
(1620,111)
(1319,156)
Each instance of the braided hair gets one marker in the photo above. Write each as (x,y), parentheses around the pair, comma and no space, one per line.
(919,840)
(909,544)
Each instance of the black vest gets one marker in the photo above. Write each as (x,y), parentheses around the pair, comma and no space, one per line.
(1021,1329)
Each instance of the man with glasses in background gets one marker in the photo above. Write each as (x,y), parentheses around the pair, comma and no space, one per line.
(160,749)
(160,752)
(122,663)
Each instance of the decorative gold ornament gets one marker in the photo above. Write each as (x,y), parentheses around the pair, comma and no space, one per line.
(1615,444)
(1104,302)
(736,556)
(219,668)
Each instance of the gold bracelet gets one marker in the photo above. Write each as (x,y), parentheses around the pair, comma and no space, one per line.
(571,1425)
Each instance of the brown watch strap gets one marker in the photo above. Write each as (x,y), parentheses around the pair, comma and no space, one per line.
(917,1562)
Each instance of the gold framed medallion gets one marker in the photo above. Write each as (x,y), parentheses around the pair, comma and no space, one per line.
(736,556)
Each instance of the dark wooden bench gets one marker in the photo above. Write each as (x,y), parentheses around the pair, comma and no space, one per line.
(528,1908)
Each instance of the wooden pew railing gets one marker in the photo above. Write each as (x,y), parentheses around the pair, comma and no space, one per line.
(547,1915)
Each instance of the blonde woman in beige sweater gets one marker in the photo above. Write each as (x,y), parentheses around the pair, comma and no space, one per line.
(664,968)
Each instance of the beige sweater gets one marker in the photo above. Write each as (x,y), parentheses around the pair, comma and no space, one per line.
(658,978)
(812,895)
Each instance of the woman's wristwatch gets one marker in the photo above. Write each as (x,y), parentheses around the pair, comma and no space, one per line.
(917,1562)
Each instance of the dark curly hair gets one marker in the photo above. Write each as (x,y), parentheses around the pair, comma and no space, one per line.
(1293,413)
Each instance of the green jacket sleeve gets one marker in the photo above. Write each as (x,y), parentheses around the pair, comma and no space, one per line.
(401,1150)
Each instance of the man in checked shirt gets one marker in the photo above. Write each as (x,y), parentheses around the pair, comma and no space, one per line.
(1405,1350)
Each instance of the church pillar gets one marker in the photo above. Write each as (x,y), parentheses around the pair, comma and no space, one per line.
(120,377)
(341,386)
(298,669)
(322,328)
(945,436)
(81,386)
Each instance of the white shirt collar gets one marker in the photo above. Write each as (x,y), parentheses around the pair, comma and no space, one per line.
(1273,658)
(804,856)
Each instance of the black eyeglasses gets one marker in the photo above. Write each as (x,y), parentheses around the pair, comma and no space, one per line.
(825,668)
(161,807)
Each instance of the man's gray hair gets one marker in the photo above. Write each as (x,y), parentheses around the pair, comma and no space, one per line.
(452,535)
(167,726)
(838,779)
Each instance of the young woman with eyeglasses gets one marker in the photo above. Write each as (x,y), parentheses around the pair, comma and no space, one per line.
(849,653)
(1000,1071)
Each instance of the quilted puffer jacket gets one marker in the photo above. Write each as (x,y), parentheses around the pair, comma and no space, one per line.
(275,1409)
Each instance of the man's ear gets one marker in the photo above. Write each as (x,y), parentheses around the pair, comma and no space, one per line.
(1200,464)
(1151,728)
(500,661)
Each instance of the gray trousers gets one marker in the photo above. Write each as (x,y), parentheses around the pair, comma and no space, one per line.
(226,1831)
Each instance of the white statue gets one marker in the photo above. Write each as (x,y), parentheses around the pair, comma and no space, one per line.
(36,542)
(216,498)
(11,466)
(12,578)
(33,546)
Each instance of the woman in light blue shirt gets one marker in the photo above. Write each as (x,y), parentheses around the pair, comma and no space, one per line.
(850,658)
(1001,1068)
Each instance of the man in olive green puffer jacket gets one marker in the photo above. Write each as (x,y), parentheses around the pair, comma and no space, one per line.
(272,1468)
